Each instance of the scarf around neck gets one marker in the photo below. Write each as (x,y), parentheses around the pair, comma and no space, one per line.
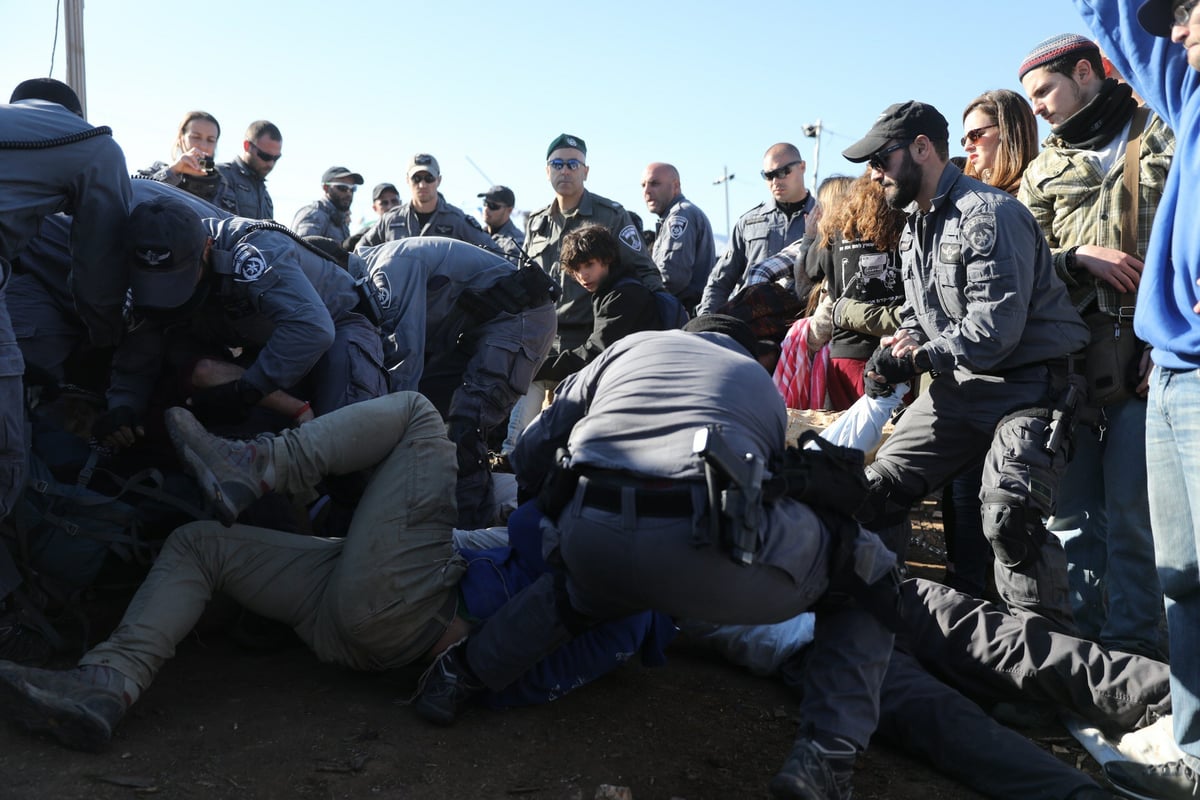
(1098,122)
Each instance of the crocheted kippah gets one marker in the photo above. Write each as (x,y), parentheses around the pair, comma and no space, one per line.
(1055,48)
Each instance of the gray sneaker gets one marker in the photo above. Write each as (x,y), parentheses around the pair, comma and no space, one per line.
(233,474)
(812,772)
(1169,781)
(61,703)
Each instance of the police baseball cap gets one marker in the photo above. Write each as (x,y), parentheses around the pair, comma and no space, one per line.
(380,188)
(50,90)
(500,194)
(1158,16)
(906,120)
(567,140)
(423,162)
(166,241)
(341,175)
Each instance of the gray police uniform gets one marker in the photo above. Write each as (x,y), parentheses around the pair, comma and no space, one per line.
(320,218)
(267,293)
(86,172)
(684,251)
(211,188)
(510,239)
(447,334)
(634,535)
(758,234)
(544,231)
(982,295)
(447,220)
(246,194)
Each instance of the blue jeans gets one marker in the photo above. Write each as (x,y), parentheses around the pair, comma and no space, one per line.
(1173,465)
(1103,521)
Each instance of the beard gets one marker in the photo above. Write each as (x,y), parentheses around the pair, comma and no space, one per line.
(905,186)
(341,203)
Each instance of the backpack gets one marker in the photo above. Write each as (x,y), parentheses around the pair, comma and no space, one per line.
(671,312)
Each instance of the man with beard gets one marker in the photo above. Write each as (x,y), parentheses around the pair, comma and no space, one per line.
(1076,190)
(987,316)
(247,174)
(330,216)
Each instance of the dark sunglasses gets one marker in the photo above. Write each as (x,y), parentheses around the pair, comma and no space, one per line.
(975,134)
(343,187)
(781,172)
(492,206)
(422,177)
(264,155)
(879,158)
(557,164)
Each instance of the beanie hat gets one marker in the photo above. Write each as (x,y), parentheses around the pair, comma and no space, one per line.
(1057,47)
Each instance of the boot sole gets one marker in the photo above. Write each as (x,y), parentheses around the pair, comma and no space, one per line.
(198,468)
(788,787)
(39,711)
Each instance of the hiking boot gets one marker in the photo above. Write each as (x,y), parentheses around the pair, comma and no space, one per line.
(814,772)
(79,707)
(1169,781)
(447,686)
(232,474)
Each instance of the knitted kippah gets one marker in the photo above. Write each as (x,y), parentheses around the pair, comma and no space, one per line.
(1055,48)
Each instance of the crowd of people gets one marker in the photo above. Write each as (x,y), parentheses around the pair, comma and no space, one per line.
(345,409)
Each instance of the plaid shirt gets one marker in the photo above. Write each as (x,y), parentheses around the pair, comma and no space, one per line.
(1075,205)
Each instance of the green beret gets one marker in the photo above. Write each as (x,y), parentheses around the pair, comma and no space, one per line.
(567,140)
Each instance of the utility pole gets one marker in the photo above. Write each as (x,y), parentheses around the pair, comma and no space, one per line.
(76,77)
(814,132)
(726,177)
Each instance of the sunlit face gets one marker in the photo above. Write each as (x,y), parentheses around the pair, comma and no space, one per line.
(659,188)
(1055,97)
(263,154)
(899,176)
(495,218)
(567,182)
(785,188)
(423,185)
(1189,37)
(981,152)
(386,201)
(591,274)
(200,134)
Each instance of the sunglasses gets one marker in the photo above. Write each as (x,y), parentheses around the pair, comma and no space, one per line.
(343,187)
(558,165)
(264,155)
(975,134)
(781,172)
(1183,13)
(879,158)
(492,206)
(422,177)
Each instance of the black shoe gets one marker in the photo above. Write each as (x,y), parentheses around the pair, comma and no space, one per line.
(60,703)
(447,687)
(1169,781)
(813,772)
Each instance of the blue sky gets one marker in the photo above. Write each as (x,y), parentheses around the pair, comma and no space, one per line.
(366,84)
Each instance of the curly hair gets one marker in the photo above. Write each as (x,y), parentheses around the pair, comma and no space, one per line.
(864,215)
(585,243)
(1016,136)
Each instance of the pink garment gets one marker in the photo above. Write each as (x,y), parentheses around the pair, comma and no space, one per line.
(799,376)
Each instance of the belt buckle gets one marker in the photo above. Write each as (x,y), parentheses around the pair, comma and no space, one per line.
(1125,313)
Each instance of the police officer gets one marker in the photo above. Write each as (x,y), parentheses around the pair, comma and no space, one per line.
(765,229)
(330,216)
(683,247)
(498,204)
(986,314)
(468,329)
(214,284)
(633,534)
(246,175)
(427,213)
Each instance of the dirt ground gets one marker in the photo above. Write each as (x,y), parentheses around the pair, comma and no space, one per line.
(222,723)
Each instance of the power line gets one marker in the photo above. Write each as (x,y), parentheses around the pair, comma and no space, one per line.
(54,46)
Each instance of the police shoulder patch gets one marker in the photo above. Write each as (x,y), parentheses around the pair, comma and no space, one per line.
(443,230)
(630,236)
(248,263)
(676,226)
(980,232)
(382,287)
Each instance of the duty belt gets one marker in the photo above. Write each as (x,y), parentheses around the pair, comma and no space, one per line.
(648,502)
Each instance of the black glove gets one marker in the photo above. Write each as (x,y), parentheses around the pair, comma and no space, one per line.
(228,403)
(112,421)
(891,368)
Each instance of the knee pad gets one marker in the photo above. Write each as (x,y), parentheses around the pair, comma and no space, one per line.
(1016,535)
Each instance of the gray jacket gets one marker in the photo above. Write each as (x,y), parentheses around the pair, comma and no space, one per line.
(447,220)
(247,196)
(980,287)
(320,218)
(684,251)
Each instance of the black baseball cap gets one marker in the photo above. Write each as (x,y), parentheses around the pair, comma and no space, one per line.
(906,120)
(380,188)
(341,175)
(1158,16)
(50,90)
(166,242)
(500,194)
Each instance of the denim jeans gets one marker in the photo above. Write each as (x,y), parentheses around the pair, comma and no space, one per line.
(1103,521)
(1173,466)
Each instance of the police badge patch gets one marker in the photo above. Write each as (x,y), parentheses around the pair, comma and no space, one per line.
(443,230)
(631,237)
(383,289)
(676,226)
(980,232)
(249,264)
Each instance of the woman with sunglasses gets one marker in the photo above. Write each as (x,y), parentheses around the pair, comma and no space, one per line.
(1000,138)
(192,168)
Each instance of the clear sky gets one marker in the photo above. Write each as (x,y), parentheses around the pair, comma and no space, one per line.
(365,84)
